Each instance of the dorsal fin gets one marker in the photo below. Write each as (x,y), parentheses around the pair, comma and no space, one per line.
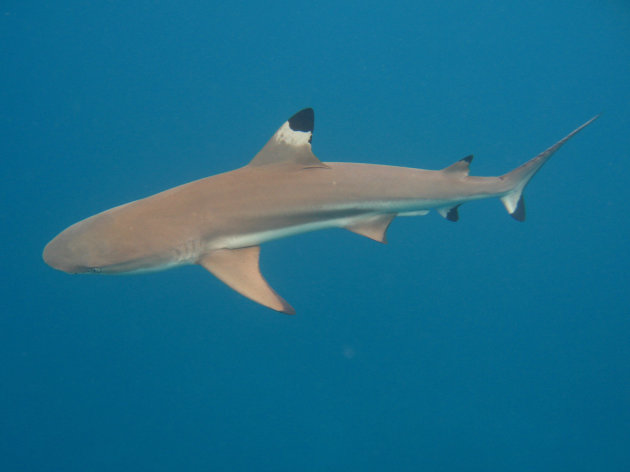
(460,167)
(291,143)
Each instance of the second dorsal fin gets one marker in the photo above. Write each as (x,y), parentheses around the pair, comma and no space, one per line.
(460,167)
(291,144)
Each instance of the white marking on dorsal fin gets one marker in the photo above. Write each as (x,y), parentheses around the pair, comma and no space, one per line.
(239,269)
(460,167)
(291,143)
(373,227)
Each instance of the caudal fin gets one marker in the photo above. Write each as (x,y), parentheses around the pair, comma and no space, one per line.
(520,177)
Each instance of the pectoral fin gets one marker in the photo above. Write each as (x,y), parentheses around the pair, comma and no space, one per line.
(239,269)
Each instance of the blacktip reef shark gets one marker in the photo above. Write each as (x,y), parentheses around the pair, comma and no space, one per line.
(219,222)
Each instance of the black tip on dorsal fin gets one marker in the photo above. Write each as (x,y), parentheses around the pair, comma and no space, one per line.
(291,143)
(303,120)
(468,158)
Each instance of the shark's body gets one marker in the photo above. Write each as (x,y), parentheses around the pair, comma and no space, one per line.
(220,221)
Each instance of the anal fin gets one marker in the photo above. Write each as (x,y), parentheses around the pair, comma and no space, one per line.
(240,270)
(373,227)
(450,213)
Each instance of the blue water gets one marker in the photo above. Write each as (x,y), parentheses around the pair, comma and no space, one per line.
(484,345)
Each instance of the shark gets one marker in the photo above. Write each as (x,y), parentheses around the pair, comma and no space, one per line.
(219,222)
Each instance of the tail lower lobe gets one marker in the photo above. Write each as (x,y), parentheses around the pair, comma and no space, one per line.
(520,177)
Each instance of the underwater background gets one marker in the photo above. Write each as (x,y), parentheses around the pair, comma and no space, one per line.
(485,344)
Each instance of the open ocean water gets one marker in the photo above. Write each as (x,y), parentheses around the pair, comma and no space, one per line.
(482,345)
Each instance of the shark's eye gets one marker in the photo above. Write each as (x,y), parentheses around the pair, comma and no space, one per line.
(95,270)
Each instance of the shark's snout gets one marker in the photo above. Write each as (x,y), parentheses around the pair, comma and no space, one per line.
(59,255)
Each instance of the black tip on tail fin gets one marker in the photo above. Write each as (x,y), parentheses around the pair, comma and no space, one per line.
(519,213)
